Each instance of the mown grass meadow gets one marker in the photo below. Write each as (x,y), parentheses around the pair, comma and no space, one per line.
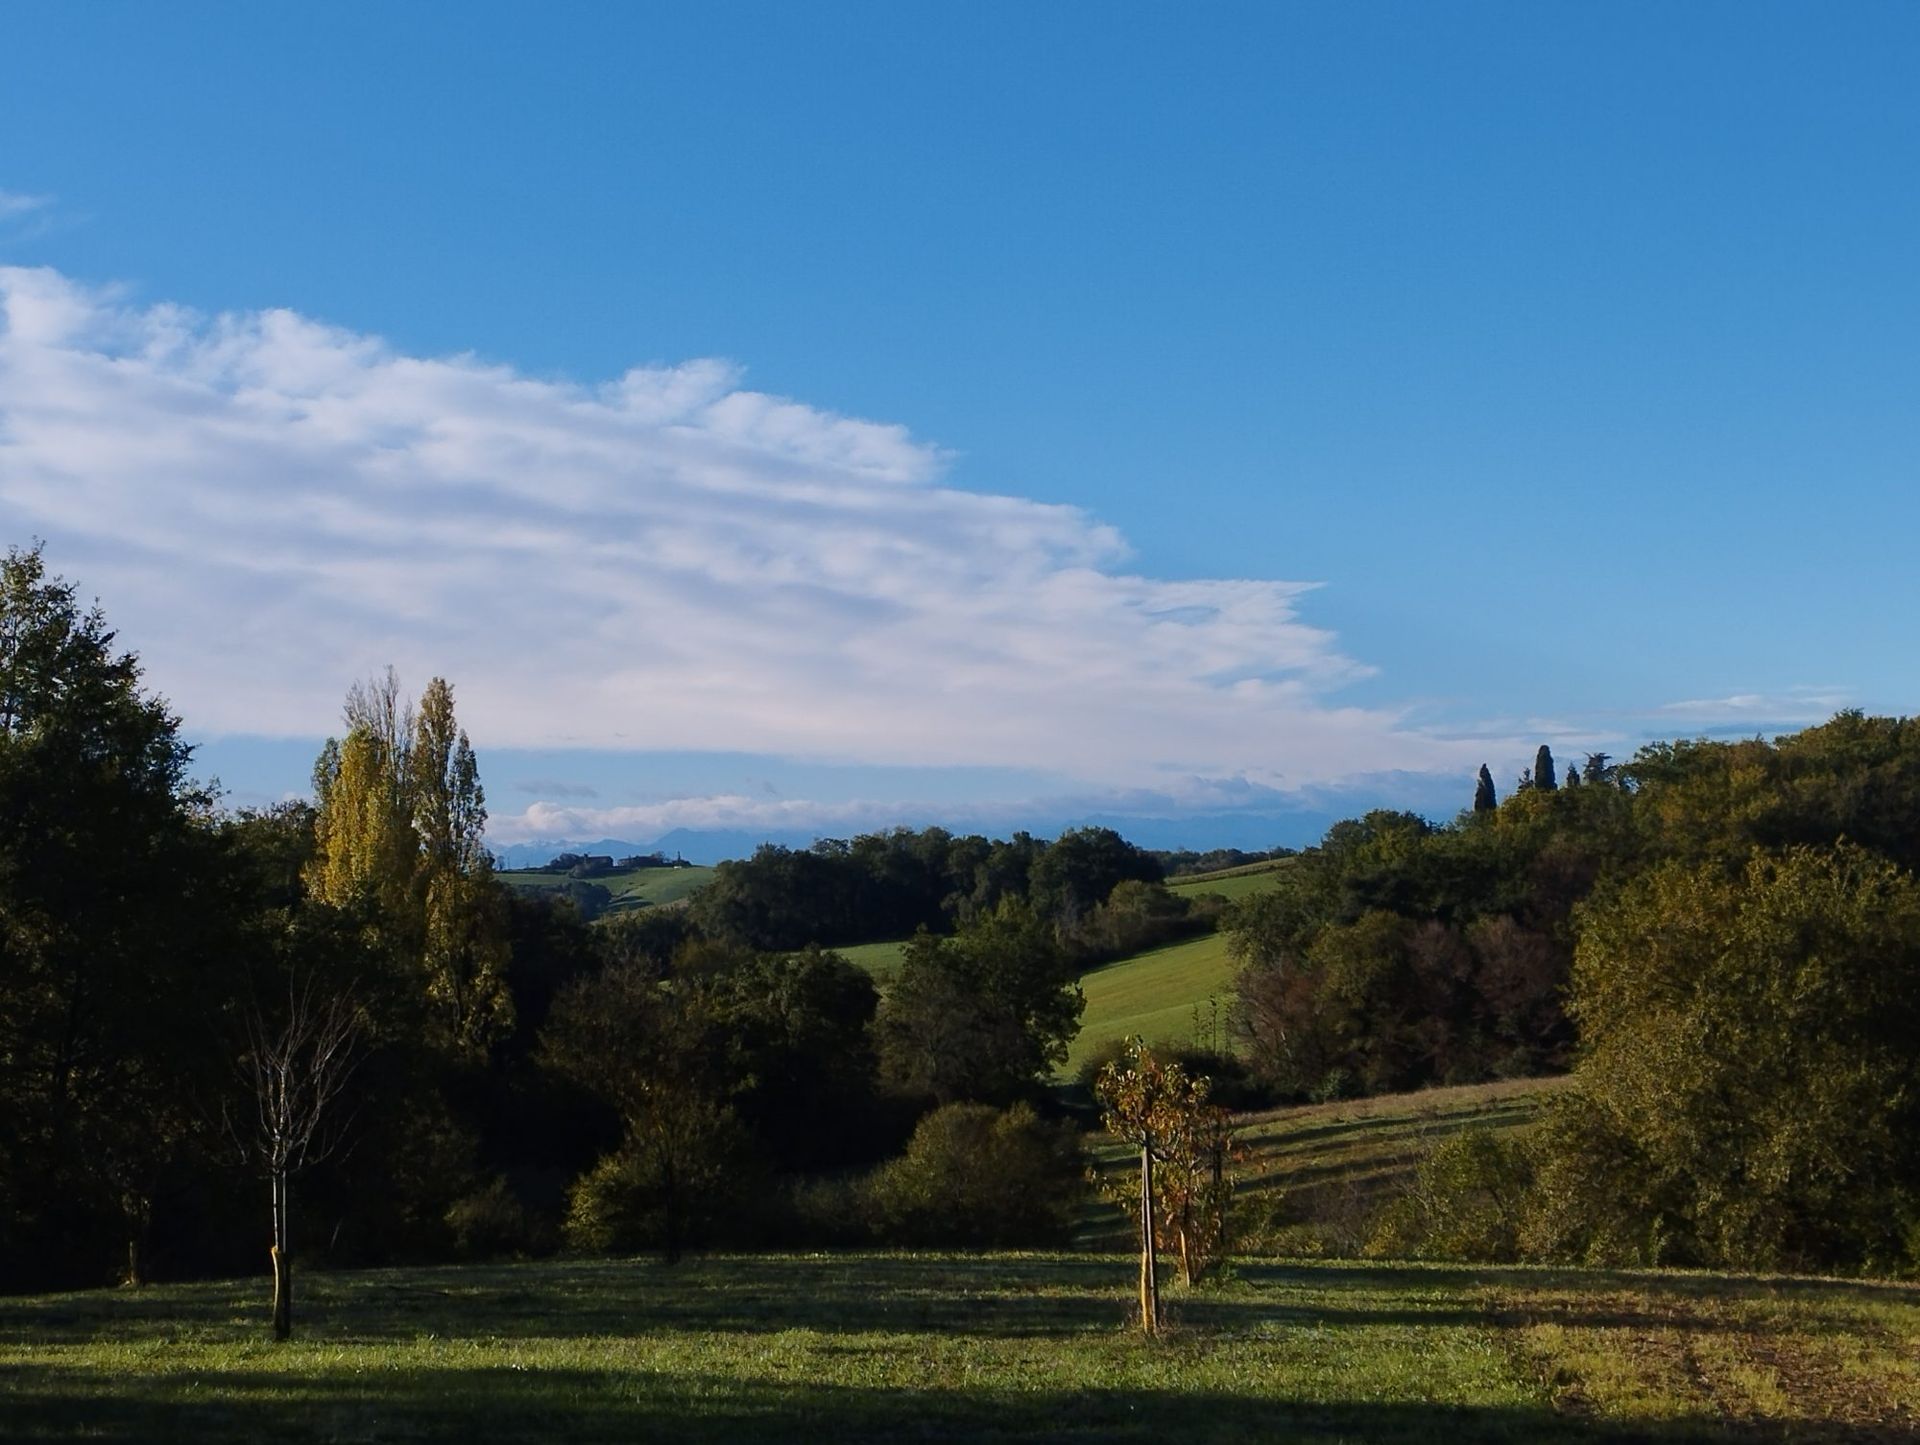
(992,1347)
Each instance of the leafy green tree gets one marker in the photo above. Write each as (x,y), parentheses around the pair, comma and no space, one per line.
(789,1038)
(686,1163)
(112,912)
(1747,1044)
(1079,870)
(983,1015)
(1543,777)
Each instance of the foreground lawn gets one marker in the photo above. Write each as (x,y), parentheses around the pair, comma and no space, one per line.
(871,1347)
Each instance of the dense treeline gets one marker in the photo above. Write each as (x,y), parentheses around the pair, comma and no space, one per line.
(1721,938)
(337,1008)
(1185,862)
(888,885)
(1399,954)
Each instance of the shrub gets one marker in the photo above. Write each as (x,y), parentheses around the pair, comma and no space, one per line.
(1110,1052)
(1467,1202)
(490,1220)
(975,1175)
(692,1179)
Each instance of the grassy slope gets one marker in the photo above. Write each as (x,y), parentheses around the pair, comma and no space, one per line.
(1001,1347)
(1317,1172)
(1233,883)
(1333,1163)
(1154,994)
(882,960)
(630,889)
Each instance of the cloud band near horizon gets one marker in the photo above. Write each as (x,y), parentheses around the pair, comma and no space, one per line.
(271,508)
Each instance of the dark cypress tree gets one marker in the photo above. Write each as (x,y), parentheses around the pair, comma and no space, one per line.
(1483,799)
(1543,769)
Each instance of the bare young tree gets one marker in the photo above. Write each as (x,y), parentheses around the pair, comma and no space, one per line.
(298,1067)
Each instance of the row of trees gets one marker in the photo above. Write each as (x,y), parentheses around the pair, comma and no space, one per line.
(1720,938)
(196,1006)
(888,885)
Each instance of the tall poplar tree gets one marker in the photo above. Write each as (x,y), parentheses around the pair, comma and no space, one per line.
(400,819)
(1543,777)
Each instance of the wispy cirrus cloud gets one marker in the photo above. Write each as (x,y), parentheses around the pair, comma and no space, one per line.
(25,217)
(271,507)
(1796,705)
(14,204)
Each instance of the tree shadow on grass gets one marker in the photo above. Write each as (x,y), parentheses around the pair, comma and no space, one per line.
(1002,1296)
(1410,1129)
(44,1404)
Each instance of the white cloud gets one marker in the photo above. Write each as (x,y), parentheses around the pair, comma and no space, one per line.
(270,508)
(573,823)
(1795,705)
(13,204)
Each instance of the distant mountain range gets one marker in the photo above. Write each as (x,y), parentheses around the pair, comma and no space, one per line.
(1254,831)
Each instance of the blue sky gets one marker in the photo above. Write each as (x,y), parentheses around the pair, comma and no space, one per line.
(814,415)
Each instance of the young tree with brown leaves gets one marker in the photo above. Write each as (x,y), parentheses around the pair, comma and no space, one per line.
(1182,1205)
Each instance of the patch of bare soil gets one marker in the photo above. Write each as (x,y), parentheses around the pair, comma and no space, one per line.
(1701,1363)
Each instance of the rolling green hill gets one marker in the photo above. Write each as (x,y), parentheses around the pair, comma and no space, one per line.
(630,887)
(882,960)
(1333,1164)
(1231,883)
(1162,994)
(1315,1174)
(1159,994)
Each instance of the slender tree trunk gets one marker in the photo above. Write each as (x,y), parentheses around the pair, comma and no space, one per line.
(282,1256)
(139,1218)
(1149,1275)
(671,1244)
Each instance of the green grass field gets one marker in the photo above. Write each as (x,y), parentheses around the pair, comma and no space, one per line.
(1231,883)
(869,1347)
(630,889)
(1155,994)
(882,960)
(1330,1166)
(1313,1175)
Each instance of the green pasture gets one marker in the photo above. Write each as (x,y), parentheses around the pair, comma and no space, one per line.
(882,960)
(1002,1347)
(630,887)
(1330,1165)
(1160,994)
(1231,883)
